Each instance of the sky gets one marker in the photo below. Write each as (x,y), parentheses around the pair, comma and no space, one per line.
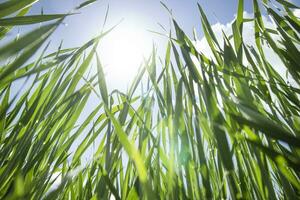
(144,14)
(123,50)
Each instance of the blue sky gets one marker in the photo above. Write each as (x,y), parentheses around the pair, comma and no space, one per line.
(146,13)
(138,16)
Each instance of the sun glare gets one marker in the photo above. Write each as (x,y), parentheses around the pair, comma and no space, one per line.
(122,52)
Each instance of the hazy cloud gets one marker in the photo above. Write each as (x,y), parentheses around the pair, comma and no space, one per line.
(248,38)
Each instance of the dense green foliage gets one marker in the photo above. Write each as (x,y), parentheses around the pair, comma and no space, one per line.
(203,128)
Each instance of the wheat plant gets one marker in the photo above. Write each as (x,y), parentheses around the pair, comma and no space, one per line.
(221,127)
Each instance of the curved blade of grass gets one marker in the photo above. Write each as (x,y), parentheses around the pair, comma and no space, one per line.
(32,19)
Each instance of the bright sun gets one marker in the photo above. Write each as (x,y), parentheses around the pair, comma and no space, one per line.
(122,51)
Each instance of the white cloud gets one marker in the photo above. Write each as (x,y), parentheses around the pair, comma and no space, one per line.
(56,177)
(248,38)
(297,13)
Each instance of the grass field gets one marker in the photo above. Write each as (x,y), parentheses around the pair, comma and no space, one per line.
(221,127)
